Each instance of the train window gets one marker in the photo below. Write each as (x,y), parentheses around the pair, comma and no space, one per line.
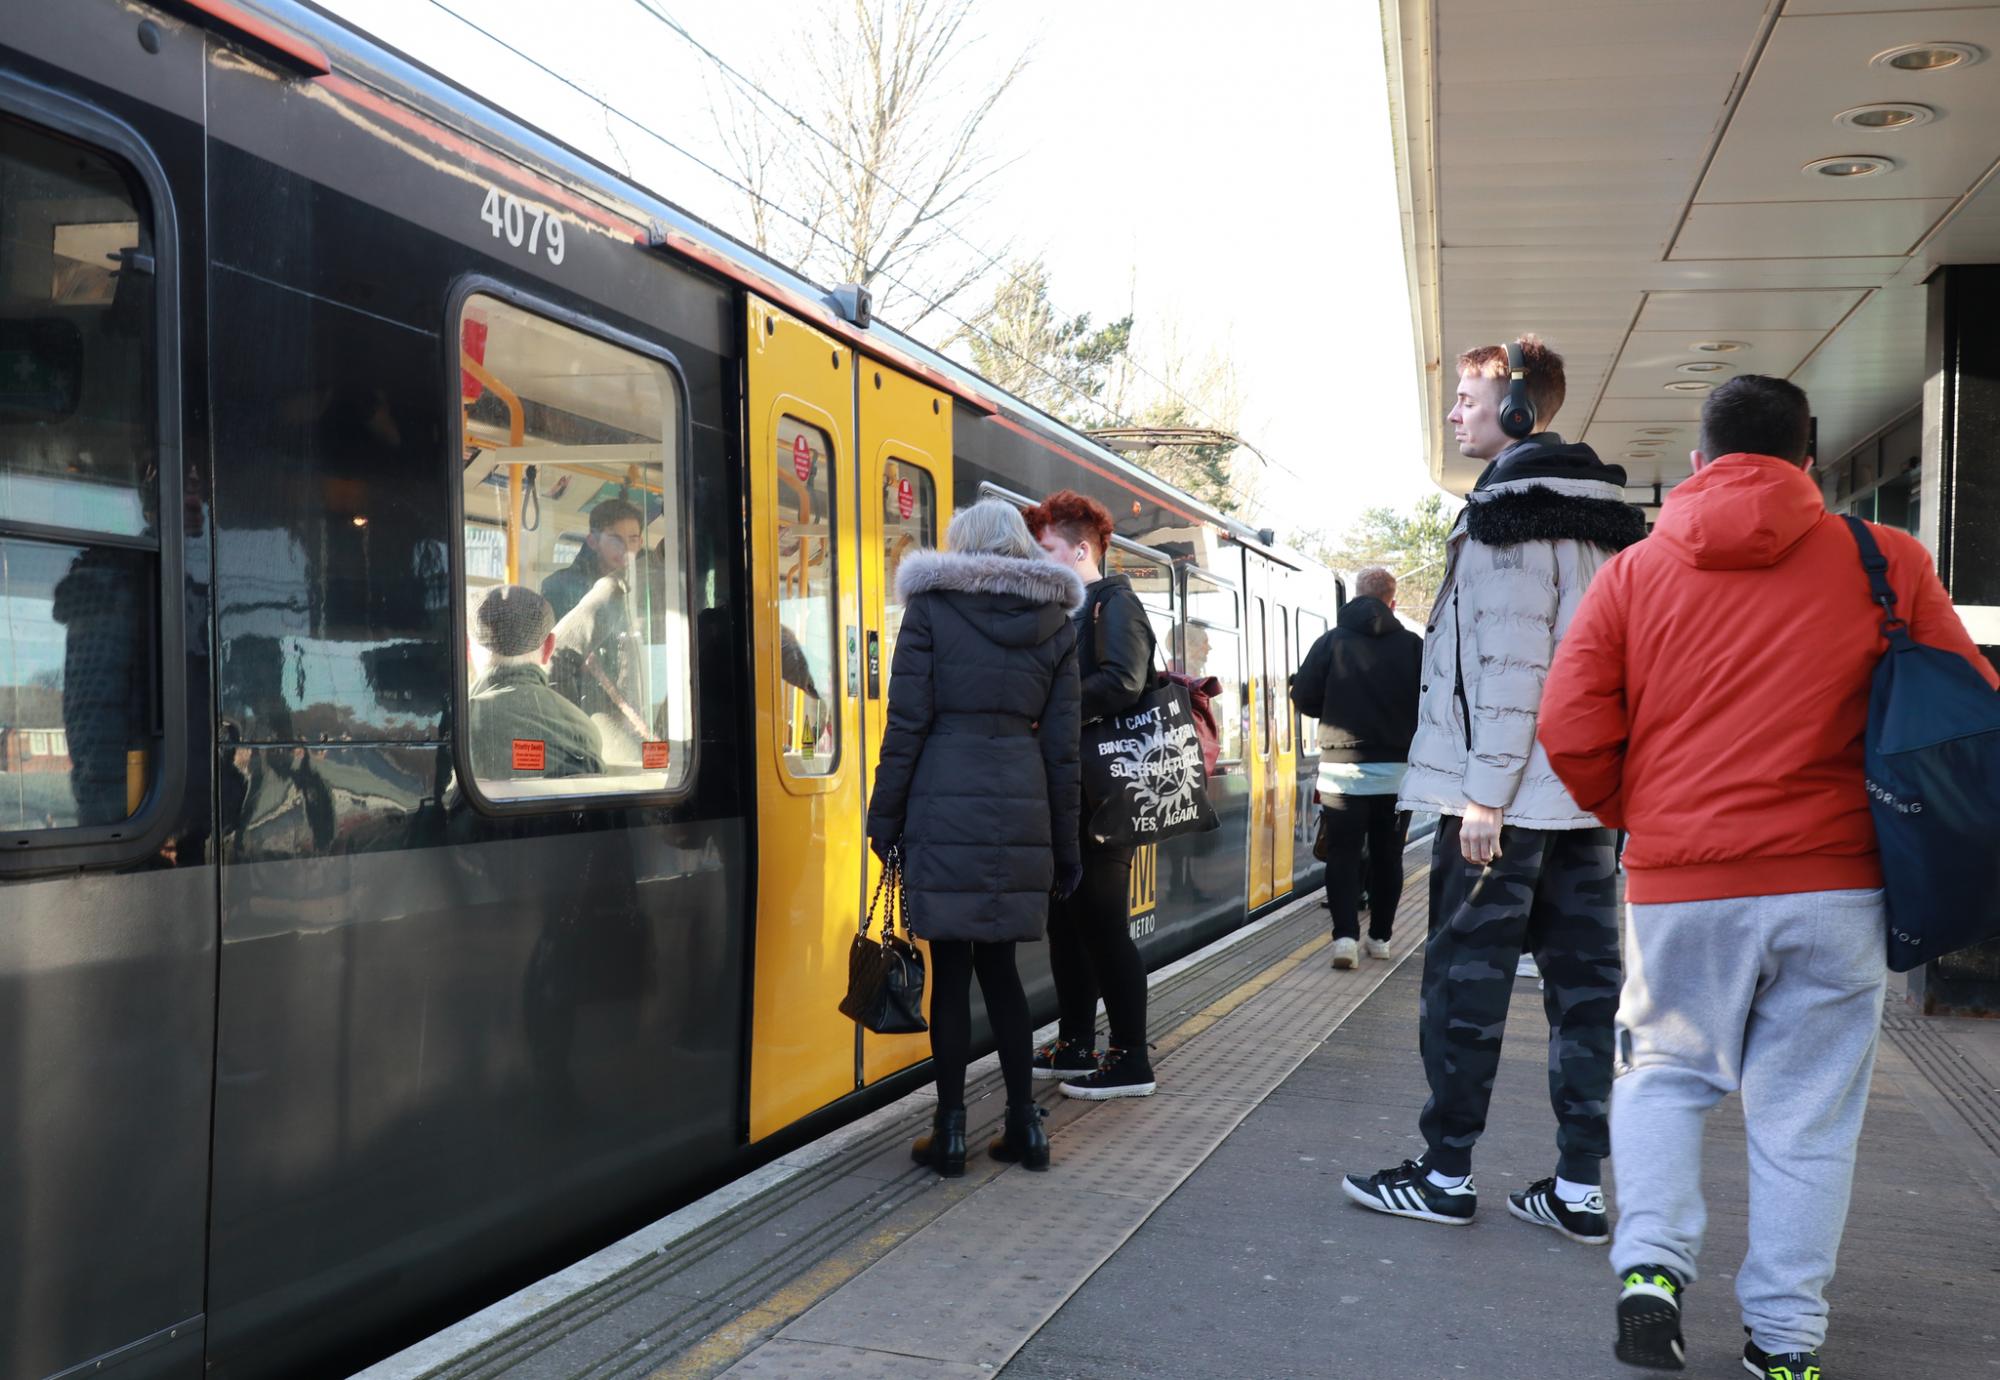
(1214,649)
(909,523)
(1260,671)
(1312,628)
(579,674)
(1153,581)
(808,618)
(1281,677)
(80,741)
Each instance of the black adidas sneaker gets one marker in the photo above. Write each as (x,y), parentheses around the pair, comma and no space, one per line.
(1584,1221)
(1119,1073)
(1064,1059)
(1788,1365)
(1407,1191)
(1649,1319)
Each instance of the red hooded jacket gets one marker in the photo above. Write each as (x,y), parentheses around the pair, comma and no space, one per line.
(1712,693)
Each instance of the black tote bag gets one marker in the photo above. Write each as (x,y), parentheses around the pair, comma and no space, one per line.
(1143,775)
(885,978)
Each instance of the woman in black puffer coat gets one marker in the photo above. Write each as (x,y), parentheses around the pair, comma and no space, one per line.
(979,785)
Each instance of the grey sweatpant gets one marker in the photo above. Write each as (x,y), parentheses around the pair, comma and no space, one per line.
(1780,997)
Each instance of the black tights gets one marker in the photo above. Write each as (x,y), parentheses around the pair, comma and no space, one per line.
(1091,950)
(953,962)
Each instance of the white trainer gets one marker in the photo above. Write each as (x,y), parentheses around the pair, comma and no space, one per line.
(1346,952)
(1376,948)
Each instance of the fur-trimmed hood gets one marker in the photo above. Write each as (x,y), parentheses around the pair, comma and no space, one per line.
(1037,581)
(1585,510)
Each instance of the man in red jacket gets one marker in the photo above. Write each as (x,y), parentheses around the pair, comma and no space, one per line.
(1711,699)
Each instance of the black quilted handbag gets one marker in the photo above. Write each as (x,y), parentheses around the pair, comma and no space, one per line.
(885,978)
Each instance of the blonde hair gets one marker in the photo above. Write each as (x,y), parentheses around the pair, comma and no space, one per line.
(992,527)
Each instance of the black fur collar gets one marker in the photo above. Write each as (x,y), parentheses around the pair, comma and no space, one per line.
(1539,513)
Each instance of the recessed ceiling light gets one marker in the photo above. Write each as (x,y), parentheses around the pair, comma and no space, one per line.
(1928,57)
(1890,115)
(1642,455)
(1849,165)
(1689,386)
(1658,431)
(1720,347)
(1703,366)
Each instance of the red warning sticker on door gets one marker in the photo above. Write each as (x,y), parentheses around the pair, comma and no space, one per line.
(802,458)
(530,754)
(906,498)
(653,756)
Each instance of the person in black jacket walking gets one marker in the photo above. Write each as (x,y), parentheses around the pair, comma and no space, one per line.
(979,785)
(1361,681)
(1090,939)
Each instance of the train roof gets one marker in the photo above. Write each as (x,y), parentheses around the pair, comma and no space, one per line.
(324,47)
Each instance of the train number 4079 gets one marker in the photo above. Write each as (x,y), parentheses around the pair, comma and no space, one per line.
(522,225)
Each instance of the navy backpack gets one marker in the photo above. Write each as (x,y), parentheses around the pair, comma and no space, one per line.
(1933,772)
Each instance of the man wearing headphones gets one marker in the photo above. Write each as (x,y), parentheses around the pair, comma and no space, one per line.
(1516,866)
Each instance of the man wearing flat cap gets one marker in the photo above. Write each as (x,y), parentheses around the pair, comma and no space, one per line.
(520,728)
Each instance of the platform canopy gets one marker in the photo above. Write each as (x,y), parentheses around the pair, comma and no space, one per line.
(1646,184)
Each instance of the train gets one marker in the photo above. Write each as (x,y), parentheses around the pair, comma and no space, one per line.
(317,1030)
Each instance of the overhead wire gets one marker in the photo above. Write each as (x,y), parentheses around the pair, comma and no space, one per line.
(811,229)
(989,259)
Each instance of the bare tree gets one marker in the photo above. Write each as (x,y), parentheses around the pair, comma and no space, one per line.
(894,155)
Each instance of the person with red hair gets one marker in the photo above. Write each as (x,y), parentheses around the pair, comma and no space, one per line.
(1090,939)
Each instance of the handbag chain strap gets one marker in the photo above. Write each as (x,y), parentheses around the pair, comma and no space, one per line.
(890,880)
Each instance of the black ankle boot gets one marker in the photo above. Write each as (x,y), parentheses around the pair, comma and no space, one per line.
(1025,1140)
(944,1148)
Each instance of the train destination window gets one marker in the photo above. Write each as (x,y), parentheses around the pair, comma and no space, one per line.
(579,651)
(80,538)
(1213,649)
(808,614)
(909,523)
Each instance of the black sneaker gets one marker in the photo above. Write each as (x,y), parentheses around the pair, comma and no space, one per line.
(1584,1222)
(1064,1059)
(1120,1073)
(1789,1365)
(1407,1191)
(1649,1319)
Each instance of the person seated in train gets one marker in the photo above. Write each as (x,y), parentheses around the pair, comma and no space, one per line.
(514,717)
(980,786)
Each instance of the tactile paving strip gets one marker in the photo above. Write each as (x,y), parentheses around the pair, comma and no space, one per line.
(975,1285)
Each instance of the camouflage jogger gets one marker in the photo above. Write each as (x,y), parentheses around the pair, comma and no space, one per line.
(1552,893)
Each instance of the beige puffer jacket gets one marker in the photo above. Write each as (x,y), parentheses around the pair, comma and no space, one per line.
(1517,565)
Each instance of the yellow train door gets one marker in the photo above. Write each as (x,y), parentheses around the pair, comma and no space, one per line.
(1258,749)
(810,772)
(1282,661)
(905,450)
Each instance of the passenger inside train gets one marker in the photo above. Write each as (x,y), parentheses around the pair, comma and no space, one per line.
(519,726)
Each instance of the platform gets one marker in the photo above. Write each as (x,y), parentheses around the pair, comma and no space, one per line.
(1201,1232)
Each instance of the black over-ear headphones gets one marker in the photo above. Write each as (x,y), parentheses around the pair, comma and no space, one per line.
(1517,413)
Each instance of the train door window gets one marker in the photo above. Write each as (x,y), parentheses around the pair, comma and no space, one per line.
(909,523)
(1281,673)
(81,723)
(1260,670)
(808,617)
(579,650)
(1214,648)
(1153,581)
(1312,628)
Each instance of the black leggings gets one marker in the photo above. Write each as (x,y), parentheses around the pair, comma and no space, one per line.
(1091,950)
(953,962)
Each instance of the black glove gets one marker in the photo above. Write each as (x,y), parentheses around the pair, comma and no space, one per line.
(1068,879)
(882,848)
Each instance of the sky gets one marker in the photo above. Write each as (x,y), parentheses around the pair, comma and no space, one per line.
(1225,172)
